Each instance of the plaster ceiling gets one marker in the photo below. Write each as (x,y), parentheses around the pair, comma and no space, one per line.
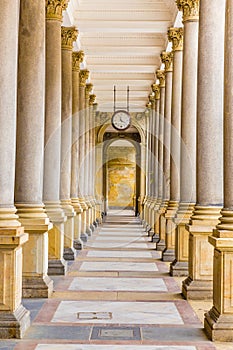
(122,41)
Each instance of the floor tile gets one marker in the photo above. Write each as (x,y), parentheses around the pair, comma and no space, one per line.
(122,312)
(112,347)
(117,266)
(119,254)
(118,284)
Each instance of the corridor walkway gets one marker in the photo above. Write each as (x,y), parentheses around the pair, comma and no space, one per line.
(117,295)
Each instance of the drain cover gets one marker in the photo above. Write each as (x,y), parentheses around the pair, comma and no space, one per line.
(94,315)
(116,333)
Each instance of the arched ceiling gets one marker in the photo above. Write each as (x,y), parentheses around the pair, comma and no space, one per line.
(122,41)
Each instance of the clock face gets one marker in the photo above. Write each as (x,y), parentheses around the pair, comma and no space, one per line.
(121,120)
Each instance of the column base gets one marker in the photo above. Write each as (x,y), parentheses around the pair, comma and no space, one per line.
(179,268)
(57,267)
(161,245)
(92,227)
(69,254)
(218,327)
(15,324)
(168,255)
(155,238)
(197,290)
(78,244)
(37,287)
(84,237)
(89,231)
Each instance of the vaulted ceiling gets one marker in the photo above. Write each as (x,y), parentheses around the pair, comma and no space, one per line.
(122,41)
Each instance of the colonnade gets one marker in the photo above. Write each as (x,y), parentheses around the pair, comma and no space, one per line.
(191,213)
(47,140)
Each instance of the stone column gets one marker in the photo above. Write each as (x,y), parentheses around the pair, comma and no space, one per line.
(148,165)
(52,148)
(92,159)
(14,318)
(219,320)
(179,267)
(199,284)
(68,35)
(167,59)
(156,90)
(83,75)
(152,164)
(176,36)
(77,59)
(30,149)
(87,169)
(161,243)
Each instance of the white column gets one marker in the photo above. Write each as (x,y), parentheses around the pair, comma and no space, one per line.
(68,35)
(167,59)
(179,267)
(199,284)
(219,320)
(77,58)
(14,318)
(30,149)
(176,36)
(52,148)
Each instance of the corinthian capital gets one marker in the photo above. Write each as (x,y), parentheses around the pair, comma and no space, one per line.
(190,9)
(175,35)
(77,58)
(54,8)
(68,36)
(161,76)
(83,76)
(156,91)
(92,99)
(167,59)
(88,89)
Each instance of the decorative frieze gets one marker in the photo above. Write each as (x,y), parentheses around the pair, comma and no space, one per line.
(175,35)
(68,36)
(83,76)
(190,9)
(167,59)
(77,58)
(54,9)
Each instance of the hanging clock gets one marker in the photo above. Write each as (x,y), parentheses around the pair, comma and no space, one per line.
(121,120)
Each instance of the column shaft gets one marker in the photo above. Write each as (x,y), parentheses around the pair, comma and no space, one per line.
(167,59)
(30,154)
(199,283)
(69,35)
(179,267)
(218,321)
(77,59)
(176,36)
(14,318)
(52,148)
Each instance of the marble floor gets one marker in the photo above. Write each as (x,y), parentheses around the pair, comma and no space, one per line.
(117,295)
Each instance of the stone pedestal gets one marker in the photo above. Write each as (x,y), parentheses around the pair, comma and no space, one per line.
(14,318)
(179,266)
(56,265)
(169,252)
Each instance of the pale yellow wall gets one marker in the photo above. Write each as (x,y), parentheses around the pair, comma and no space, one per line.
(121,176)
